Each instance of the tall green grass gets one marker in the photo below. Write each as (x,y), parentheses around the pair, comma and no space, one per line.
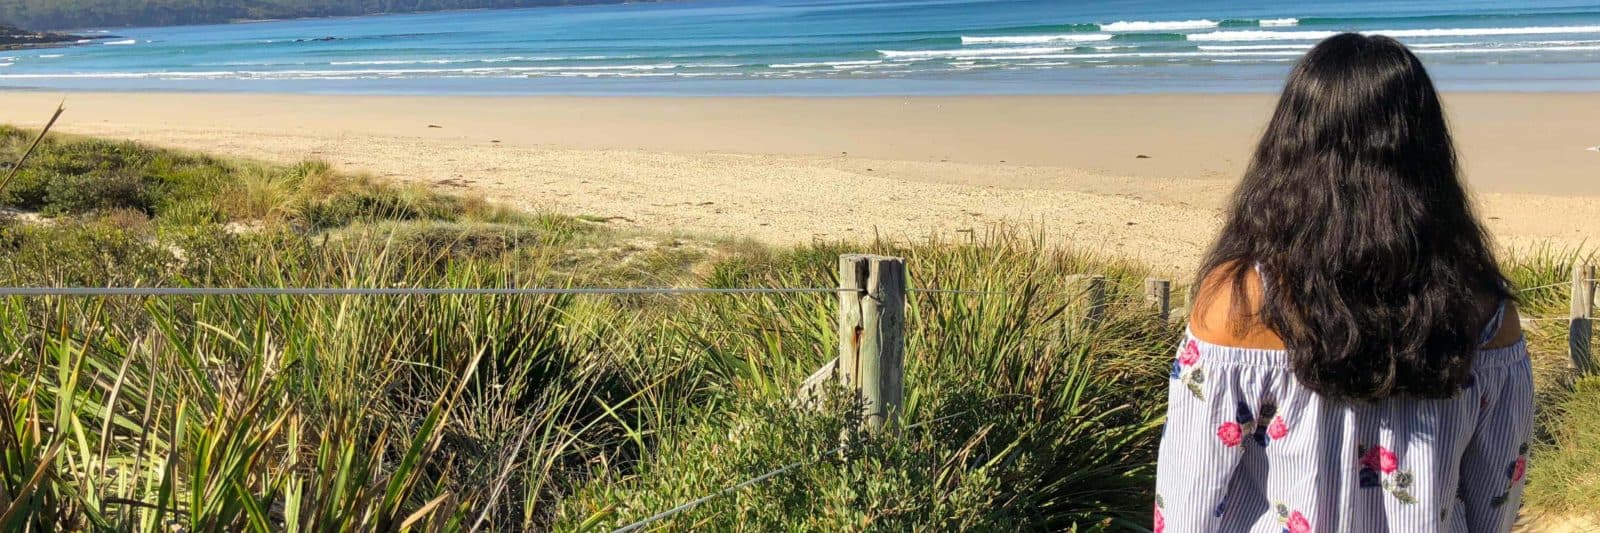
(321,413)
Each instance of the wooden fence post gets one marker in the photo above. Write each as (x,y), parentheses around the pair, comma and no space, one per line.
(1158,294)
(1580,327)
(1094,292)
(872,311)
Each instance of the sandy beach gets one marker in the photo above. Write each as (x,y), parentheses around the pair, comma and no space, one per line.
(1137,176)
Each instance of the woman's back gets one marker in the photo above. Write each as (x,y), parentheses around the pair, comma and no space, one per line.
(1354,362)
(1246,448)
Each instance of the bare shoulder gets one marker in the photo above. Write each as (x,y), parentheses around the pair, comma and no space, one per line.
(1220,317)
(1510,328)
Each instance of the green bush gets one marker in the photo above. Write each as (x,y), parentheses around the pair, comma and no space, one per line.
(67,194)
(343,209)
(70,176)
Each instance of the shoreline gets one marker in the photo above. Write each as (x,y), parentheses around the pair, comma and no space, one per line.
(795,169)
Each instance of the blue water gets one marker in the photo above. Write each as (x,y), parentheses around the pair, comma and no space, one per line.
(809,47)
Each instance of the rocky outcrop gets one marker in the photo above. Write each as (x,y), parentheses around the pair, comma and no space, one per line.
(14,37)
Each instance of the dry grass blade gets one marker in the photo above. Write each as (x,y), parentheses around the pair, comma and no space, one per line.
(24,496)
(17,167)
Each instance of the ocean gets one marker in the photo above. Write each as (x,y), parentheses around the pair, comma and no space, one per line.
(829,47)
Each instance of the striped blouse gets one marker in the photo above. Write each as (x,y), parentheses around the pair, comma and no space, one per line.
(1246,448)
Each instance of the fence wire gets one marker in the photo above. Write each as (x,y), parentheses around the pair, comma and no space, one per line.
(1561,284)
(641,524)
(1552,285)
(417,291)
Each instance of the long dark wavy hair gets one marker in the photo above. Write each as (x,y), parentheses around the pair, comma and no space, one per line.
(1378,276)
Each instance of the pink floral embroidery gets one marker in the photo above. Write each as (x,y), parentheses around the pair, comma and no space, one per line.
(1516,472)
(1186,370)
(1298,523)
(1369,459)
(1293,522)
(1388,463)
(1230,433)
(1190,354)
(1278,429)
(1393,480)
(1380,459)
(1161,522)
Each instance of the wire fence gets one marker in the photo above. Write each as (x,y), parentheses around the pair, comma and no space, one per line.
(1552,286)
(1561,284)
(420,291)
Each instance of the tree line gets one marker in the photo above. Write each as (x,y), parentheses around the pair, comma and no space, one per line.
(63,14)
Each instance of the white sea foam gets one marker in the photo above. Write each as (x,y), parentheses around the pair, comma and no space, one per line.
(452,61)
(1140,55)
(662,66)
(1252,55)
(1275,23)
(1236,47)
(1437,45)
(6,64)
(1037,39)
(1562,43)
(49,56)
(831,64)
(1510,50)
(970,52)
(1254,60)
(1262,35)
(123,42)
(1159,26)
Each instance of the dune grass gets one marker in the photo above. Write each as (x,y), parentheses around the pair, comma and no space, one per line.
(575,413)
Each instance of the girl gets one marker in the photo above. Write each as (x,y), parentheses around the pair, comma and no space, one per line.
(1354,361)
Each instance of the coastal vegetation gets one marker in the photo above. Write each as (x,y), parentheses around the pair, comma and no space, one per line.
(111,13)
(569,412)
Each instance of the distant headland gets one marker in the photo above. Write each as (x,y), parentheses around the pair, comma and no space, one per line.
(68,14)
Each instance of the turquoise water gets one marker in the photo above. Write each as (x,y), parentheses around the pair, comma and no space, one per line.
(806,47)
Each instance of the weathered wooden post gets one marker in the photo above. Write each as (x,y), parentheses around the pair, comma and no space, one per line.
(1158,294)
(872,315)
(1580,327)
(1094,292)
